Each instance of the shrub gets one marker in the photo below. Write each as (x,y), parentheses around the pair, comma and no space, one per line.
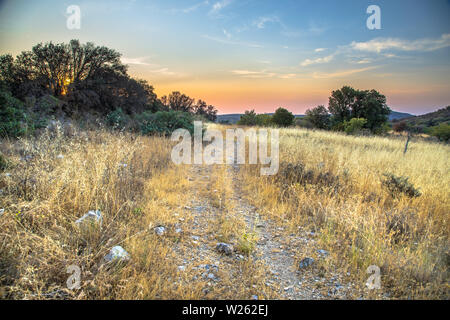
(117,119)
(165,122)
(264,120)
(248,118)
(399,126)
(442,132)
(283,118)
(355,125)
(397,185)
(11,116)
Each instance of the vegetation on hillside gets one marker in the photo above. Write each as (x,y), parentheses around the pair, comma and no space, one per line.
(80,81)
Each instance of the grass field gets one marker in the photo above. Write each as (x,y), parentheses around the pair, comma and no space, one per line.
(328,183)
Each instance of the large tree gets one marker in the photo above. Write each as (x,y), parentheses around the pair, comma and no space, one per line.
(283,117)
(347,103)
(318,117)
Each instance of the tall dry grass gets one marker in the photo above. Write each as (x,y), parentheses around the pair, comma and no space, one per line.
(53,180)
(331,183)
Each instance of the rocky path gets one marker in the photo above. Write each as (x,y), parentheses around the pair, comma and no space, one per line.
(272,270)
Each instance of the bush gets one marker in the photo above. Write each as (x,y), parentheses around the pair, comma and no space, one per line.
(399,126)
(355,125)
(11,116)
(248,119)
(442,132)
(165,122)
(283,118)
(397,185)
(117,119)
(264,120)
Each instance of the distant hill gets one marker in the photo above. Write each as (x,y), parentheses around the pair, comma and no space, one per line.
(420,123)
(395,115)
(234,117)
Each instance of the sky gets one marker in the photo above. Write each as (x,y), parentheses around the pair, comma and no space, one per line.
(258,54)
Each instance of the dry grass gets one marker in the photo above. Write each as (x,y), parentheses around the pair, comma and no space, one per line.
(331,183)
(130,179)
(328,182)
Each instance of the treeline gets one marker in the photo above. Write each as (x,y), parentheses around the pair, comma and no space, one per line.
(352,111)
(349,110)
(79,81)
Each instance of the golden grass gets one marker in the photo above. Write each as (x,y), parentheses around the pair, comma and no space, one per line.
(132,180)
(340,195)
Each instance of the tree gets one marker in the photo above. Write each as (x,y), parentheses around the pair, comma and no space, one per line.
(205,110)
(371,105)
(318,117)
(283,117)
(340,104)
(248,118)
(178,102)
(348,103)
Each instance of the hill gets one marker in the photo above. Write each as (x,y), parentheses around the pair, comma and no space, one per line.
(422,122)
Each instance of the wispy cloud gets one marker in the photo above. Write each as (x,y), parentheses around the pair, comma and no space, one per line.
(339,74)
(141,61)
(309,62)
(227,34)
(218,6)
(320,49)
(263,74)
(261,22)
(231,42)
(195,6)
(383,44)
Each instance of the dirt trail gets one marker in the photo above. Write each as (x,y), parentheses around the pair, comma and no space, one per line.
(273,272)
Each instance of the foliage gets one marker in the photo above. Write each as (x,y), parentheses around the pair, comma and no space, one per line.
(442,132)
(399,126)
(264,120)
(117,119)
(318,117)
(397,185)
(165,122)
(348,103)
(283,118)
(355,125)
(11,116)
(248,118)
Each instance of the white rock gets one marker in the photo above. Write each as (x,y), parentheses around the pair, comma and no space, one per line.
(2,211)
(160,231)
(117,253)
(60,156)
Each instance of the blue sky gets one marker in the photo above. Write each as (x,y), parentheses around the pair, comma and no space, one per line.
(258,54)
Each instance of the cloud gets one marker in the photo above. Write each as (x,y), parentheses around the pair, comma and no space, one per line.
(320,49)
(218,6)
(227,34)
(263,74)
(309,62)
(261,21)
(136,61)
(382,44)
(228,41)
(195,6)
(339,74)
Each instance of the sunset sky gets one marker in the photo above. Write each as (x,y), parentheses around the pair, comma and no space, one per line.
(258,54)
